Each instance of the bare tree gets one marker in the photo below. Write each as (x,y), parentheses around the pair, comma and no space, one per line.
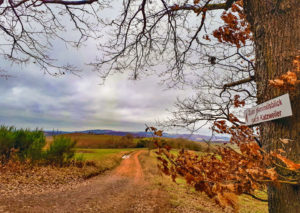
(176,37)
(173,39)
(184,42)
(29,27)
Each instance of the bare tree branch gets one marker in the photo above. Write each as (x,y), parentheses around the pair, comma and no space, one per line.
(236,83)
(196,8)
(29,28)
(79,2)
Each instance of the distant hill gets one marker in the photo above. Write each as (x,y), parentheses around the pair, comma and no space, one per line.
(50,133)
(193,137)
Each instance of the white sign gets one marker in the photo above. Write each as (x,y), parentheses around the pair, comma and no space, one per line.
(273,109)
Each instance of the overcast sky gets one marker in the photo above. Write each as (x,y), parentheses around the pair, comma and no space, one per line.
(33,99)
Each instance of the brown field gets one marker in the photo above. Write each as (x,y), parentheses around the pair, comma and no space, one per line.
(85,140)
(91,141)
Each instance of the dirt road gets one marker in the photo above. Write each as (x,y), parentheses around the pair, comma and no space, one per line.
(121,190)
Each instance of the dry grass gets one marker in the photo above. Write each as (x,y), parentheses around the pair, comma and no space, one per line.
(24,178)
(184,198)
(250,205)
(21,178)
(181,197)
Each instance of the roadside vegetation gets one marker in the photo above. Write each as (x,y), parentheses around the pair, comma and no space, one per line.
(31,164)
(29,146)
(175,143)
(85,140)
(183,198)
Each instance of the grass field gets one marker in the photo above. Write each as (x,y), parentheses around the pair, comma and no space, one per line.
(101,154)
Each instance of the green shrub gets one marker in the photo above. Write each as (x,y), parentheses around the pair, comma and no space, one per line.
(142,143)
(25,143)
(7,141)
(29,144)
(61,151)
(145,143)
(35,150)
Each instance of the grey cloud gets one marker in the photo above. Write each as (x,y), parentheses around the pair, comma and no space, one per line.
(32,99)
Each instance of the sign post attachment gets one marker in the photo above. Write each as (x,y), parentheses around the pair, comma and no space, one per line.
(270,110)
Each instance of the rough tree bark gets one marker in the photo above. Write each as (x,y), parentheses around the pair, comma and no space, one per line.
(276,27)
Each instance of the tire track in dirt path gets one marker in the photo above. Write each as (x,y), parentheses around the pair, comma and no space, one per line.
(121,190)
(131,167)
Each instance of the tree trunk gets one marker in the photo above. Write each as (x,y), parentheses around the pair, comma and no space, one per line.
(276,25)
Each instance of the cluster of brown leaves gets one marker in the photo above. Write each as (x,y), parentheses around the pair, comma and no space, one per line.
(236,29)
(221,176)
(239,133)
(175,7)
(154,131)
(289,80)
(244,136)
(240,167)
(290,164)
(237,102)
